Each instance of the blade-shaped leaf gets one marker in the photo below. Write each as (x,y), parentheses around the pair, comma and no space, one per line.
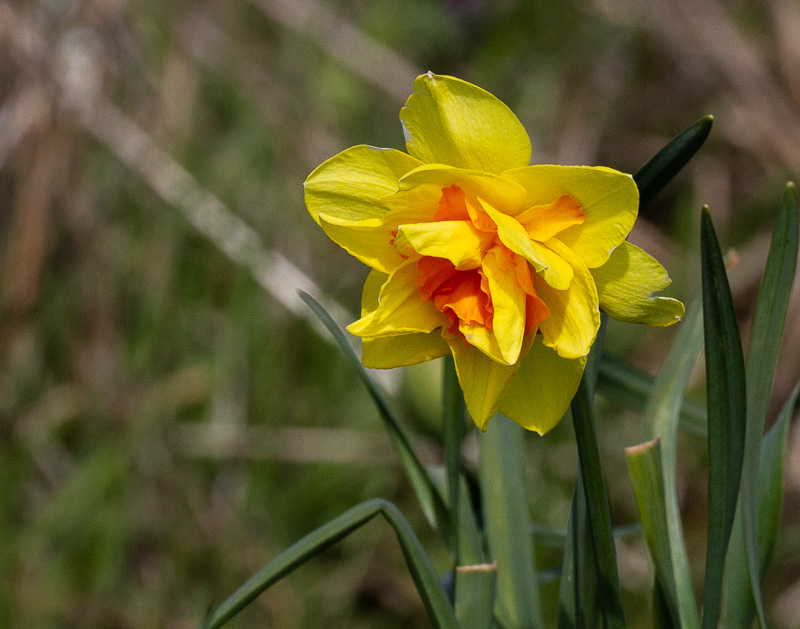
(577,596)
(428,495)
(661,422)
(547,537)
(765,341)
(644,466)
(632,387)
(476,587)
(475,580)
(726,397)
(453,415)
(505,513)
(669,161)
(770,480)
(739,608)
(609,592)
(422,571)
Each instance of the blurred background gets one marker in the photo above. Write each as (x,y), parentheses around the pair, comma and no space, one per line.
(170,419)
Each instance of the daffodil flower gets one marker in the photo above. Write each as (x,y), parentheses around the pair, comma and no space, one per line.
(476,253)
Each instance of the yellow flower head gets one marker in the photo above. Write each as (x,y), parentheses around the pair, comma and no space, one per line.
(475,253)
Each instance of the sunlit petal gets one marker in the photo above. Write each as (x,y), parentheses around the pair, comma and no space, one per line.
(514,236)
(350,185)
(508,323)
(608,198)
(400,309)
(542,222)
(484,381)
(420,190)
(574,317)
(400,351)
(542,388)
(457,241)
(626,286)
(453,122)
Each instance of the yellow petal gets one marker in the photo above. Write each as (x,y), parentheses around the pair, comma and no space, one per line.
(420,190)
(482,339)
(557,271)
(626,285)
(574,317)
(370,241)
(351,184)
(400,351)
(545,221)
(371,292)
(514,236)
(508,299)
(457,241)
(542,389)
(400,309)
(343,195)
(450,121)
(483,380)
(608,198)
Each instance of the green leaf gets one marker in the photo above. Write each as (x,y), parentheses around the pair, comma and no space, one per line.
(609,592)
(644,466)
(725,385)
(770,480)
(454,413)
(476,587)
(428,495)
(739,608)
(669,161)
(547,537)
(507,522)
(475,580)
(661,418)
(765,342)
(632,387)
(577,595)
(422,571)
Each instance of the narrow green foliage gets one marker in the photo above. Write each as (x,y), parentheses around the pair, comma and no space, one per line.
(505,511)
(765,341)
(546,537)
(577,596)
(475,580)
(726,414)
(428,495)
(669,161)
(609,592)
(770,480)
(454,413)
(476,587)
(422,571)
(661,418)
(632,387)
(644,466)
(739,608)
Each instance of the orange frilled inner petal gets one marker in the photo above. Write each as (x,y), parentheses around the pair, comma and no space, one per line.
(464,295)
(542,222)
(454,206)
(461,295)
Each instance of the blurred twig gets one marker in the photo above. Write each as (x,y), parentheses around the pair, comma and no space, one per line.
(18,115)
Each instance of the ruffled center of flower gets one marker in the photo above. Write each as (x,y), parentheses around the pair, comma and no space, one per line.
(484,288)
(461,295)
